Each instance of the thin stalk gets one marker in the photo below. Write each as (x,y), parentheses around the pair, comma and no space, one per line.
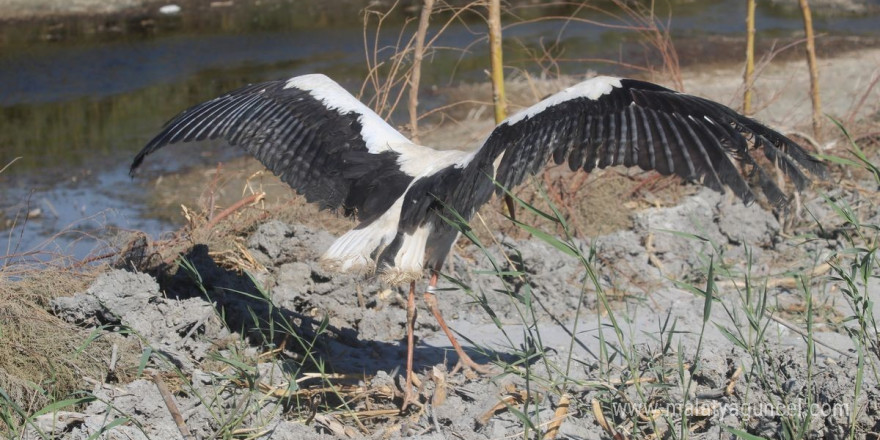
(814,68)
(417,69)
(498,97)
(499,100)
(749,76)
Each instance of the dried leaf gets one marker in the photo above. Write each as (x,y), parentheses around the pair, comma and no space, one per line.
(439,378)
(560,415)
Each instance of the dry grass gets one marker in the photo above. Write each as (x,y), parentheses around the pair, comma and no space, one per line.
(40,359)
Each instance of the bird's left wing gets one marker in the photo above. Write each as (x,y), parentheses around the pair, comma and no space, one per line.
(309,131)
(608,121)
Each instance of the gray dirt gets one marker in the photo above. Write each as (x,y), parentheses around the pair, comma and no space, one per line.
(643,269)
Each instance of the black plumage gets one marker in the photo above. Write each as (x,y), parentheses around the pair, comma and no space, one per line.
(656,128)
(318,152)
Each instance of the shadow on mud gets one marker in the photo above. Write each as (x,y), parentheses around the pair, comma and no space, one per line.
(245,308)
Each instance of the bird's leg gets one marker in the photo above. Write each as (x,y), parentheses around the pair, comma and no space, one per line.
(463,358)
(410,327)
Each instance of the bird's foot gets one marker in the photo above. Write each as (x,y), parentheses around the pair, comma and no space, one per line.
(411,393)
(464,361)
(469,365)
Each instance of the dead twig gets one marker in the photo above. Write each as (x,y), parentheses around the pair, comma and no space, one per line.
(416,75)
(603,422)
(850,119)
(250,433)
(723,392)
(372,413)
(172,407)
(652,257)
(803,333)
(513,398)
(9,164)
(733,378)
(249,200)
(786,282)
(334,426)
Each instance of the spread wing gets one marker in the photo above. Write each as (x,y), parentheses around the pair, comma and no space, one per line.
(610,121)
(312,133)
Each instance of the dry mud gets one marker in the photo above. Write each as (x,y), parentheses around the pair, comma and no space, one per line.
(365,335)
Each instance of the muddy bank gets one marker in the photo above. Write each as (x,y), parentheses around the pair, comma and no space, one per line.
(37,9)
(191,318)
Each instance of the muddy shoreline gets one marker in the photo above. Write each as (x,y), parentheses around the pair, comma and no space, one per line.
(358,325)
(36,11)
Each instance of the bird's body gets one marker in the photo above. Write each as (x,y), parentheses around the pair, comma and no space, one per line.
(337,152)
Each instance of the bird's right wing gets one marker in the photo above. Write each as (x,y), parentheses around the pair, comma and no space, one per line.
(608,121)
(309,131)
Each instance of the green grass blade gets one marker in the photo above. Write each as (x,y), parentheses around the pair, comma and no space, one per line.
(108,427)
(145,357)
(732,337)
(742,434)
(548,238)
(55,406)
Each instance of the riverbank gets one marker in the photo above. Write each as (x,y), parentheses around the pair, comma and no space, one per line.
(19,10)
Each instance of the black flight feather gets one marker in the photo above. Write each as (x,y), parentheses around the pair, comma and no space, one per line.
(318,150)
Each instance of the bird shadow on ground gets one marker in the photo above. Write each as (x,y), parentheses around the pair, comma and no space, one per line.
(245,308)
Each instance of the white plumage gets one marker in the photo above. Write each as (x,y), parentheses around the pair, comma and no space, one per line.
(592,88)
(377,134)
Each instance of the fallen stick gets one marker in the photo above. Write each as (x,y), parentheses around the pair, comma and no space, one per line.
(253,198)
(603,422)
(803,333)
(172,407)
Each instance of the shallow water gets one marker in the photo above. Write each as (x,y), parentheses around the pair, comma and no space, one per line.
(79,99)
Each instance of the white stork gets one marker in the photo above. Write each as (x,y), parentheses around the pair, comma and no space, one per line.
(337,152)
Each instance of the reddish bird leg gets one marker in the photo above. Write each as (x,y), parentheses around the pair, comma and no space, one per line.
(410,343)
(463,358)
